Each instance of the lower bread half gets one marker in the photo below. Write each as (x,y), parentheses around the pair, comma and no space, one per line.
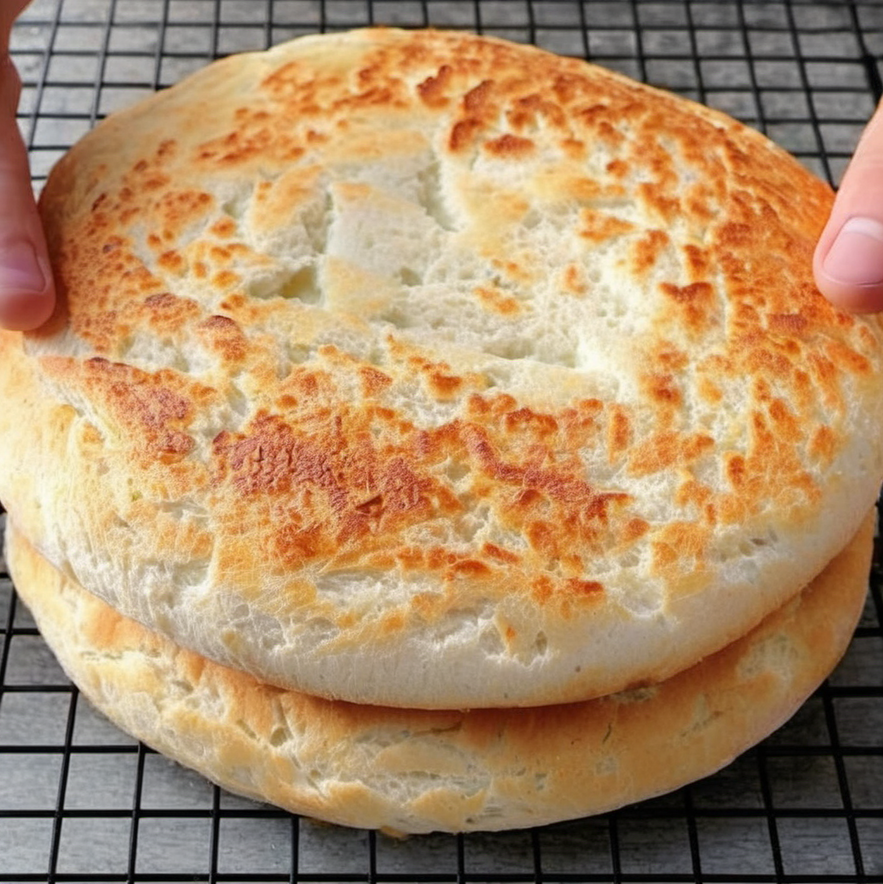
(410,771)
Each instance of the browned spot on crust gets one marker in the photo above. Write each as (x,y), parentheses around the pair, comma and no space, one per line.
(536,486)
(823,444)
(223,335)
(498,301)
(695,301)
(225,279)
(599,226)
(463,134)
(699,262)
(167,312)
(680,546)
(573,280)
(176,210)
(478,100)
(142,404)
(171,261)
(619,433)
(663,390)
(531,109)
(510,146)
(579,587)
(847,359)
(736,469)
(788,323)
(665,450)
(374,381)
(433,90)
(444,386)
(647,250)
(635,529)
(326,473)
(505,556)
(617,168)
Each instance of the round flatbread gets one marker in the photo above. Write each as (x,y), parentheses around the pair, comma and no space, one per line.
(430,370)
(418,771)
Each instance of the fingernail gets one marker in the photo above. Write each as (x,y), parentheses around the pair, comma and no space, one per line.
(856,256)
(20,268)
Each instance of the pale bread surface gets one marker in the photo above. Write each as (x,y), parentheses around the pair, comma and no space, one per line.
(418,771)
(430,370)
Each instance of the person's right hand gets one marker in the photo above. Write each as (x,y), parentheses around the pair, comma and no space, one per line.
(848,261)
(27,293)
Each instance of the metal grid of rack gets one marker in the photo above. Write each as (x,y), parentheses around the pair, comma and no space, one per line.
(80,801)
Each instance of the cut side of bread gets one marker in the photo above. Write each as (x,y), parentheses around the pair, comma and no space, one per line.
(418,771)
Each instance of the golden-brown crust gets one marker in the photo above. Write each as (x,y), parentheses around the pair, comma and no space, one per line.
(473,375)
(418,771)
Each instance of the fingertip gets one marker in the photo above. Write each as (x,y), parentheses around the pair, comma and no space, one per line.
(868,299)
(27,292)
(25,311)
(848,265)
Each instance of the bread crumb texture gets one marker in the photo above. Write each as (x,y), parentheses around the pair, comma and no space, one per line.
(426,369)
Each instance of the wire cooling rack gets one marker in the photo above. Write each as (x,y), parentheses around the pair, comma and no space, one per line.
(80,801)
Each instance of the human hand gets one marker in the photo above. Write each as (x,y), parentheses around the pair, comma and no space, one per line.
(848,261)
(27,293)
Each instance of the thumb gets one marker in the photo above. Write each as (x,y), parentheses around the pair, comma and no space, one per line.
(848,261)
(27,294)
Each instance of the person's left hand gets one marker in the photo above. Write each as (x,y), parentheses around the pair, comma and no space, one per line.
(27,293)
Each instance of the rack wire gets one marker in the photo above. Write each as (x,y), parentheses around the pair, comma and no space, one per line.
(82,802)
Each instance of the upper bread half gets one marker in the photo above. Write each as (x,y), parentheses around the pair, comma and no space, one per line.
(431,370)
